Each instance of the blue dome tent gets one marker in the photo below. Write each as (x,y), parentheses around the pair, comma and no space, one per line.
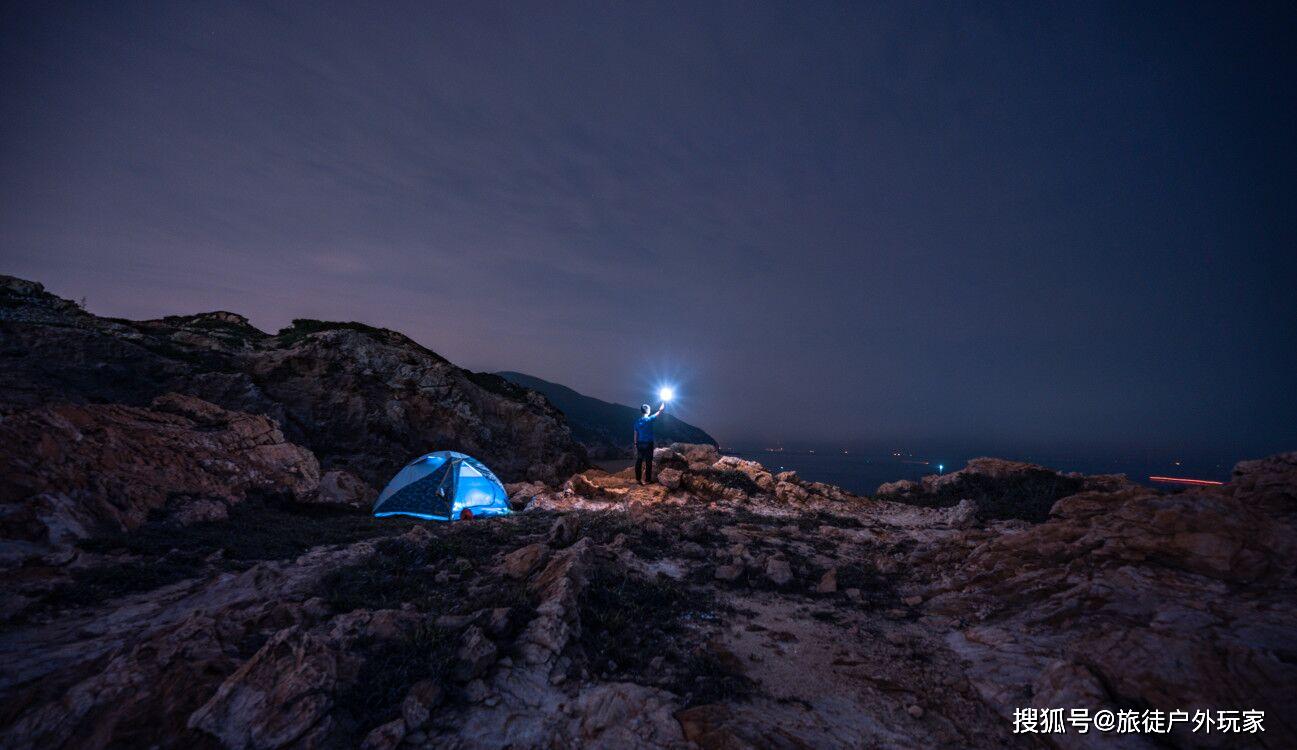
(443,486)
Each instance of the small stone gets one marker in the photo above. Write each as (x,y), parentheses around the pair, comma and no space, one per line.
(385,736)
(419,702)
(498,621)
(915,710)
(828,582)
(913,601)
(455,622)
(729,572)
(564,531)
(669,478)
(692,550)
(778,571)
(853,594)
(476,654)
(476,691)
(695,530)
(522,561)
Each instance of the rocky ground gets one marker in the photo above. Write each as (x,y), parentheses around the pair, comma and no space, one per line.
(723,607)
(187,559)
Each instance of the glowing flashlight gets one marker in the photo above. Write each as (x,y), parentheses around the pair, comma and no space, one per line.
(666,393)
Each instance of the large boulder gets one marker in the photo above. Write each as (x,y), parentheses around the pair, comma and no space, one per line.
(70,471)
(343,489)
(685,456)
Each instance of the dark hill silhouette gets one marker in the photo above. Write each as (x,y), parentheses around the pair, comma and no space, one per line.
(604,428)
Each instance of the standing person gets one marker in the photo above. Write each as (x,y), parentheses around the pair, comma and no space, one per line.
(644,442)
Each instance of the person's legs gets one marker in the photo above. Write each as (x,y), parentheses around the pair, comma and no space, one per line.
(648,464)
(639,464)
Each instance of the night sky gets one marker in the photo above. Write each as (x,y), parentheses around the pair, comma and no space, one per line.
(1027,224)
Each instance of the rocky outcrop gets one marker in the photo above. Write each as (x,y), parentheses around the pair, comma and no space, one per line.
(1001,489)
(1137,598)
(364,400)
(74,470)
(797,616)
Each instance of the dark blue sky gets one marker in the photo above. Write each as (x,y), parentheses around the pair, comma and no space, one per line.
(1025,224)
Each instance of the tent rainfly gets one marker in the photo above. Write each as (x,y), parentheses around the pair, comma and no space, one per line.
(443,486)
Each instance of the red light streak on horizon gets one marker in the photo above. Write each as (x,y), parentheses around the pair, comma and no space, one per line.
(1178,480)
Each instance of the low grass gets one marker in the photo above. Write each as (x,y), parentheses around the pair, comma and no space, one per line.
(390,668)
(164,553)
(257,529)
(402,571)
(93,585)
(627,620)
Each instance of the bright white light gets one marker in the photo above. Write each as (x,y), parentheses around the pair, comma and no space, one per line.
(666,393)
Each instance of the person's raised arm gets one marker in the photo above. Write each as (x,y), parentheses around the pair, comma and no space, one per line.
(660,410)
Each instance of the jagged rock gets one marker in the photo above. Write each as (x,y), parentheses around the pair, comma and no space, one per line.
(499,621)
(71,471)
(519,563)
(1267,482)
(751,469)
(626,715)
(719,727)
(521,494)
(899,487)
(277,697)
(686,456)
(669,478)
(476,654)
(728,572)
(565,531)
(696,529)
(344,489)
(581,485)
(1121,582)
(385,736)
(557,619)
(828,582)
(778,571)
(419,703)
(788,492)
